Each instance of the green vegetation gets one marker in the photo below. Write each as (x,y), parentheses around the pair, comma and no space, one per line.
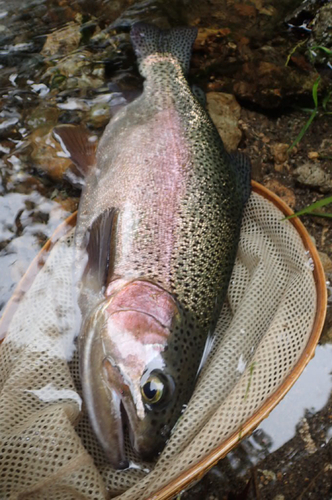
(240,434)
(294,49)
(320,47)
(251,372)
(318,109)
(311,209)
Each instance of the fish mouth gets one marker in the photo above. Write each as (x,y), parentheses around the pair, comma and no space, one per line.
(102,400)
(128,418)
(106,418)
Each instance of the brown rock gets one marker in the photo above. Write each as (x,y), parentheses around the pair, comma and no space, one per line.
(225,113)
(280,153)
(45,113)
(267,69)
(313,155)
(282,191)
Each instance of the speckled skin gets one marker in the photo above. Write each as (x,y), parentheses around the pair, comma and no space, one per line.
(162,165)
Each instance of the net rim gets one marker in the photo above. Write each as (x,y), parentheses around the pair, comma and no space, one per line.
(198,470)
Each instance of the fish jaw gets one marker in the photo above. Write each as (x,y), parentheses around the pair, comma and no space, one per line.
(102,403)
(122,342)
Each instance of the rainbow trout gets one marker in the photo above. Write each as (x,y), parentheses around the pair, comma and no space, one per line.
(157,232)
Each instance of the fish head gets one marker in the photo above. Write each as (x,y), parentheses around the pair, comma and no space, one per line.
(127,374)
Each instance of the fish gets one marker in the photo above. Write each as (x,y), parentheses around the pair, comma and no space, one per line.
(156,239)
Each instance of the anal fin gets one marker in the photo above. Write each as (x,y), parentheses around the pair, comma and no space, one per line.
(199,94)
(243,169)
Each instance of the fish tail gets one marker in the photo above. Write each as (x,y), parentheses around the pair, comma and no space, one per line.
(148,39)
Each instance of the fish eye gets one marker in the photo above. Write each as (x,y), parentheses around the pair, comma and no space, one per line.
(153,389)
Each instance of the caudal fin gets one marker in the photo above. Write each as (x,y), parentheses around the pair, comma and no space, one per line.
(148,39)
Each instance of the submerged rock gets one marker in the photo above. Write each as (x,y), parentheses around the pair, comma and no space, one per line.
(46,114)
(77,70)
(48,154)
(64,40)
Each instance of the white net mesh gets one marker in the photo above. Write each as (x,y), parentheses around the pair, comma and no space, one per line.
(47,448)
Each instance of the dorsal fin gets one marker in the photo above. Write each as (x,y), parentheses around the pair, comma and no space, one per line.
(79,145)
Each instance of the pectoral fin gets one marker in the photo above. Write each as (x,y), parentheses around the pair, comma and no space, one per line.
(79,145)
(100,249)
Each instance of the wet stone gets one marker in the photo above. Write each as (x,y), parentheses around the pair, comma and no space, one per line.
(99,115)
(42,115)
(157,11)
(225,113)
